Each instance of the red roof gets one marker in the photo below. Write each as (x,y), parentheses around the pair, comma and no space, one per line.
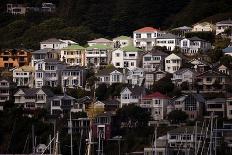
(156,95)
(147,29)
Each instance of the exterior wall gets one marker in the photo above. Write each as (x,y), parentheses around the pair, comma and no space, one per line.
(220,28)
(72,79)
(217,107)
(122,42)
(53,45)
(117,58)
(193,47)
(229,108)
(127,98)
(73,57)
(170,44)
(187,76)
(22,78)
(96,57)
(199,27)
(4,91)
(172,63)
(152,63)
(16,9)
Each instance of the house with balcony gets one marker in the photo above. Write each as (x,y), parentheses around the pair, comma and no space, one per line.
(194,45)
(16,9)
(156,103)
(192,104)
(170,41)
(131,95)
(122,41)
(146,37)
(182,140)
(40,55)
(48,73)
(200,66)
(73,55)
(97,55)
(180,31)
(154,60)
(204,26)
(73,77)
(111,75)
(33,98)
(226,69)
(223,25)
(135,76)
(63,104)
(24,76)
(14,58)
(7,88)
(229,107)
(151,77)
(101,41)
(184,75)
(217,106)
(172,63)
(212,80)
(126,57)
(48,7)
(54,43)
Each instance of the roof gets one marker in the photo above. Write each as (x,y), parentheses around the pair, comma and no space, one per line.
(185,129)
(33,91)
(100,40)
(155,52)
(107,71)
(63,97)
(135,90)
(25,69)
(227,49)
(52,40)
(198,97)
(41,51)
(216,100)
(211,73)
(183,70)
(203,23)
(146,29)
(182,28)
(156,95)
(122,38)
(131,48)
(196,39)
(168,36)
(111,102)
(98,46)
(229,21)
(74,47)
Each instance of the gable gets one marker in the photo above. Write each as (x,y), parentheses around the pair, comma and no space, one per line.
(115,72)
(126,91)
(19,93)
(40,92)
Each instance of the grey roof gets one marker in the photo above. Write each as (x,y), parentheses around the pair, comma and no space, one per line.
(85,99)
(196,39)
(183,70)
(32,91)
(136,90)
(155,52)
(168,36)
(111,102)
(212,73)
(107,71)
(100,40)
(227,49)
(185,129)
(71,68)
(42,51)
(63,97)
(52,40)
(183,28)
(216,100)
(198,97)
(229,21)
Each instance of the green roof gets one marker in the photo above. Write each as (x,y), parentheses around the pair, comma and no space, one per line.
(98,46)
(122,37)
(131,48)
(74,47)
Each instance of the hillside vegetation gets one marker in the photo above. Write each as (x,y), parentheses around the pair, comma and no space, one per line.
(81,20)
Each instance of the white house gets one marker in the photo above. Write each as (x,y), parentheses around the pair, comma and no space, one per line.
(180,31)
(145,37)
(128,57)
(156,103)
(73,77)
(111,75)
(183,75)
(16,9)
(6,90)
(131,95)
(191,46)
(122,41)
(101,41)
(97,55)
(24,76)
(135,76)
(216,106)
(33,98)
(54,43)
(223,25)
(204,26)
(170,41)
(172,63)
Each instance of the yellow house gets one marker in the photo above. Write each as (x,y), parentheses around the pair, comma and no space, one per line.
(204,26)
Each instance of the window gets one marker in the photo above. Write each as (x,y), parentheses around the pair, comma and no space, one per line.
(156,58)
(39,66)
(167,61)
(137,43)
(208,79)
(39,75)
(55,103)
(138,35)
(131,55)
(132,64)
(117,64)
(147,58)
(5,58)
(117,54)
(40,97)
(149,35)
(185,43)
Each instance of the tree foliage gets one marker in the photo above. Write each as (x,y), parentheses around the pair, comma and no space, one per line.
(177,116)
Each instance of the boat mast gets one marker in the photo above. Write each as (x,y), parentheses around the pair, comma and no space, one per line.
(71,138)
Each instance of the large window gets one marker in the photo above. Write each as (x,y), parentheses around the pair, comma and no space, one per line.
(40,97)
(138,35)
(185,43)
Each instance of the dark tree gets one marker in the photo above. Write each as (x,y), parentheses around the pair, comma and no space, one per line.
(101,92)
(177,116)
